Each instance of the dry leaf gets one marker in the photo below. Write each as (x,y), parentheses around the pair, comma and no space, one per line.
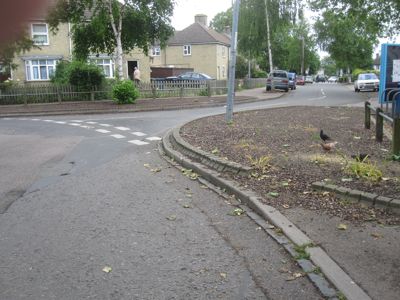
(146,165)
(171,218)
(204,186)
(342,227)
(376,235)
(223,275)
(285,206)
(107,269)
(325,193)
(186,206)
(236,212)
(156,170)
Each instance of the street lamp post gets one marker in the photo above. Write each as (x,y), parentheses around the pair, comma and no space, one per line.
(232,63)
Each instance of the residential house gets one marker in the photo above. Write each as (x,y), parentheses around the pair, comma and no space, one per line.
(38,64)
(196,47)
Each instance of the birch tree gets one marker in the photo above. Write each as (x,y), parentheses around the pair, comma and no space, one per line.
(113,27)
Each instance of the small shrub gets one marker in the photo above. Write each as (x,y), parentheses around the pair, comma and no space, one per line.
(124,92)
(203,92)
(261,164)
(85,76)
(259,74)
(61,75)
(365,170)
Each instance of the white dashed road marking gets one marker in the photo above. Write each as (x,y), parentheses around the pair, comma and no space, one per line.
(137,133)
(74,124)
(48,120)
(154,138)
(60,122)
(137,142)
(90,122)
(118,136)
(86,126)
(105,125)
(35,119)
(122,128)
(77,121)
(102,130)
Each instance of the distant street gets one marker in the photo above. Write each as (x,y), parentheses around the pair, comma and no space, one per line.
(81,193)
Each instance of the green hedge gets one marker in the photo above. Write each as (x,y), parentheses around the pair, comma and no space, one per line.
(124,92)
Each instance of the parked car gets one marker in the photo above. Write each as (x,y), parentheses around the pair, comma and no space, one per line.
(309,79)
(300,80)
(278,79)
(320,78)
(366,81)
(332,79)
(190,76)
(292,81)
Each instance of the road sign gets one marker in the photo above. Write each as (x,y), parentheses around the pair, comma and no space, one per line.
(389,87)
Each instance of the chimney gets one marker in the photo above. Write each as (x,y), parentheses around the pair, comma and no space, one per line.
(202,19)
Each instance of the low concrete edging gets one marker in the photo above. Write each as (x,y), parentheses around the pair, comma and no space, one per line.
(318,256)
(370,199)
(206,158)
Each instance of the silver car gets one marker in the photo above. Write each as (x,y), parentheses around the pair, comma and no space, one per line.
(366,81)
(278,79)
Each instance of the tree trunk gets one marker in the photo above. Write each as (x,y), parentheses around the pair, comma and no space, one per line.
(119,57)
(117,29)
(271,67)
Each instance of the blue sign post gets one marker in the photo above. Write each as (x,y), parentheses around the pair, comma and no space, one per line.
(389,86)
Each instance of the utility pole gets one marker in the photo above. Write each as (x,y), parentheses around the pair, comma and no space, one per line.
(232,63)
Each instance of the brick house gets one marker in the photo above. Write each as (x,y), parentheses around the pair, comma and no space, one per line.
(196,47)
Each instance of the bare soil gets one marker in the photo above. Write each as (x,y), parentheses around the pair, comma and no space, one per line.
(284,147)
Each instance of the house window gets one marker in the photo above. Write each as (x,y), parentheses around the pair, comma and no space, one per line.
(40,34)
(187,50)
(223,51)
(155,51)
(107,65)
(40,69)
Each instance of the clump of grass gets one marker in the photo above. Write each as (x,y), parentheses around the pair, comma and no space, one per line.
(262,164)
(301,251)
(364,169)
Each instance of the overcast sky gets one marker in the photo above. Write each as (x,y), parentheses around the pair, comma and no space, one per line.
(185,10)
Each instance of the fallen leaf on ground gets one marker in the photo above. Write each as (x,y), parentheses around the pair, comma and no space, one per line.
(215,151)
(347,179)
(186,206)
(236,212)
(273,194)
(294,276)
(171,218)
(284,270)
(385,178)
(306,192)
(107,269)
(156,170)
(357,138)
(146,165)
(285,183)
(285,206)
(286,145)
(342,227)
(204,186)
(223,275)
(325,193)
(376,235)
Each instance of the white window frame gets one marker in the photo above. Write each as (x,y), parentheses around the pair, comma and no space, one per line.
(31,65)
(41,34)
(100,62)
(155,51)
(187,50)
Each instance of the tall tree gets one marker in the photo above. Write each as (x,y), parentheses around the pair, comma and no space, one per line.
(222,21)
(349,48)
(112,26)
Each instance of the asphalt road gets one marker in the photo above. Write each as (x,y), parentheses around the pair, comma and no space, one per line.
(80,193)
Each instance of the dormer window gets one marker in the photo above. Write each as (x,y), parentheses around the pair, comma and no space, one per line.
(40,34)
(155,51)
(187,50)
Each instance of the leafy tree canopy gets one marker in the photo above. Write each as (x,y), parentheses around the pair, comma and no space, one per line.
(98,26)
(8,50)
(222,20)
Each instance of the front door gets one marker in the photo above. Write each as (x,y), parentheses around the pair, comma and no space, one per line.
(131,68)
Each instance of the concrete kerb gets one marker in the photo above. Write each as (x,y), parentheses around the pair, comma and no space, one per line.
(318,256)
(207,158)
(367,198)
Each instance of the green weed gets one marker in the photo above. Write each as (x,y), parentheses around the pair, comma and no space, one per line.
(364,169)
(301,251)
(262,164)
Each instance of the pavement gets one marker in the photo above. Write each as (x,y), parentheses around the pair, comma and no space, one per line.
(108,106)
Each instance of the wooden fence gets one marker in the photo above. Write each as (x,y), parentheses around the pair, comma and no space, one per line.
(380,117)
(48,93)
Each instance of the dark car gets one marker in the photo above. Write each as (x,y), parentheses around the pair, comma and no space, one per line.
(292,81)
(190,76)
(278,79)
(320,78)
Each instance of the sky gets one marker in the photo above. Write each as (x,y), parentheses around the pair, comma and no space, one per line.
(185,10)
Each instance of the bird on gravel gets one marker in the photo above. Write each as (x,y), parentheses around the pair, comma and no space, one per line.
(328,146)
(324,136)
(360,157)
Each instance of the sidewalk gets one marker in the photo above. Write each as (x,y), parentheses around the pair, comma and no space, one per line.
(108,106)
(355,245)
